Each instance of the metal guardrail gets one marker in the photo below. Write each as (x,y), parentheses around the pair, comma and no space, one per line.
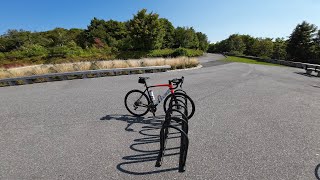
(306,66)
(82,74)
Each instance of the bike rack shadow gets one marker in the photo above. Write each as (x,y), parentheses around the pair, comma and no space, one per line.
(141,155)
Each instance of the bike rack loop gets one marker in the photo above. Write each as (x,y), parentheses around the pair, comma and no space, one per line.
(174,105)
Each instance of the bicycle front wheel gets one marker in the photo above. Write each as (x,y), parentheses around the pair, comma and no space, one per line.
(180,97)
(137,103)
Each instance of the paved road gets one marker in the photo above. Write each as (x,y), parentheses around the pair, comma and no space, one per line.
(251,122)
(209,60)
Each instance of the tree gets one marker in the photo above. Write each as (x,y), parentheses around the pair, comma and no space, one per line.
(115,32)
(168,39)
(116,29)
(146,31)
(83,39)
(3,44)
(203,41)
(248,41)
(301,41)
(316,49)
(14,39)
(73,34)
(96,30)
(186,37)
(263,47)
(211,48)
(279,49)
(235,44)
(221,47)
(40,38)
(58,37)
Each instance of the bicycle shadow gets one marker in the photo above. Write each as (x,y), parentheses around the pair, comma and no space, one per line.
(131,120)
(145,155)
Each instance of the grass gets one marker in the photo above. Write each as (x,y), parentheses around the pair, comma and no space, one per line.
(61,68)
(41,70)
(176,63)
(248,61)
(4,74)
(83,66)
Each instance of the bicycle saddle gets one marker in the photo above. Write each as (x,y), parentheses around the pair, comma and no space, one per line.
(142,80)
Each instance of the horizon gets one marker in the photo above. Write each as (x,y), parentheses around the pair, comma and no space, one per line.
(224,19)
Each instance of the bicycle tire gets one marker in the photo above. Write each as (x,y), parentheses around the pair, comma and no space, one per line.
(142,95)
(180,91)
(178,94)
(317,172)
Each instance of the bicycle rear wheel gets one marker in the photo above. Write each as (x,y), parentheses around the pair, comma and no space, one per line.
(137,103)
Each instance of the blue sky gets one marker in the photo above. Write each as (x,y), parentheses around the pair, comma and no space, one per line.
(216,18)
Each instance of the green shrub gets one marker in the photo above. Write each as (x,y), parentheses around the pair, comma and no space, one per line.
(194,52)
(74,50)
(265,57)
(34,50)
(58,51)
(17,54)
(161,53)
(187,52)
(180,52)
(235,53)
(2,56)
(132,55)
(95,53)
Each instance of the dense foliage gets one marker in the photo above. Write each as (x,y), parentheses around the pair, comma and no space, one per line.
(146,34)
(303,45)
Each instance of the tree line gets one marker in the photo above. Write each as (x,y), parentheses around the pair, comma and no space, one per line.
(303,45)
(145,32)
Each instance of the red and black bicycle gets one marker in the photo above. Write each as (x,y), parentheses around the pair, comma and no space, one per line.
(139,103)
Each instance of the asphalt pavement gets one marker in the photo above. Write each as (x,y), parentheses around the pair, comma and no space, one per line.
(251,122)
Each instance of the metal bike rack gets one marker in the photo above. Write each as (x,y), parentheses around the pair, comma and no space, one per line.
(177,112)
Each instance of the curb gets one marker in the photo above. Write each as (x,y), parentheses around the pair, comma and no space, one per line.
(80,75)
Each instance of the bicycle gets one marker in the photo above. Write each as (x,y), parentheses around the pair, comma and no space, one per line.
(144,101)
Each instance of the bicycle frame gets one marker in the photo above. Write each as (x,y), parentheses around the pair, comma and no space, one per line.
(169,91)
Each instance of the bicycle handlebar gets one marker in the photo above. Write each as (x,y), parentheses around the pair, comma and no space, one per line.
(177,82)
